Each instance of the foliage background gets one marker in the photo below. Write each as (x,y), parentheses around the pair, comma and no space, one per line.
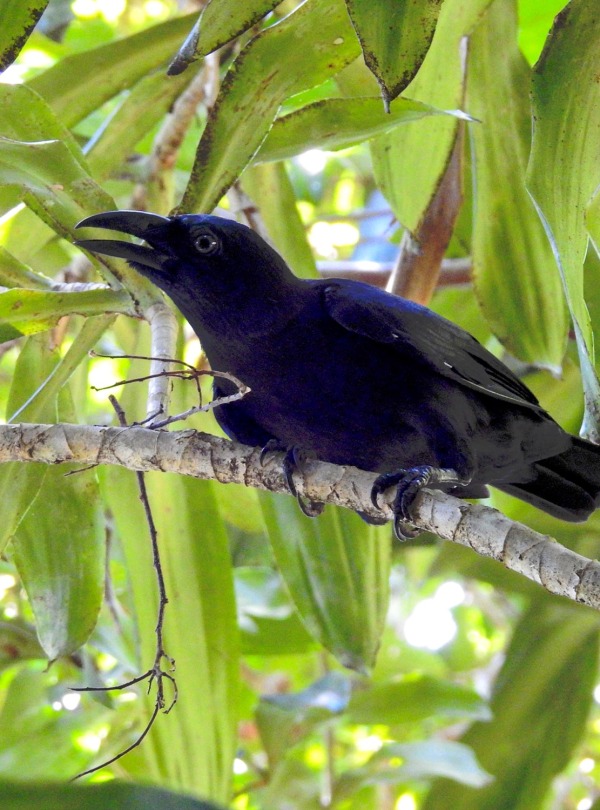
(468,687)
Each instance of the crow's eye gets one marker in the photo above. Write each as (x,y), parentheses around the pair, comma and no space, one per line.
(207,243)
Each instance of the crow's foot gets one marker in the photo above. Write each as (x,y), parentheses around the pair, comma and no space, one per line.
(408,484)
(292,461)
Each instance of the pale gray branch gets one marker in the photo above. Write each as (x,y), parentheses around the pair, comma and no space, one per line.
(163,326)
(486,531)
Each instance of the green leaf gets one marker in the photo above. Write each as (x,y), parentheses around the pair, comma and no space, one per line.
(308,551)
(24,312)
(512,259)
(17,21)
(14,273)
(416,157)
(395,763)
(257,83)
(38,378)
(218,24)
(395,36)
(79,84)
(269,186)
(147,102)
(59,553)
(283,720)
(50,796)
(541,702)
(412,698)
(268,621)
(335,123)
(564,166)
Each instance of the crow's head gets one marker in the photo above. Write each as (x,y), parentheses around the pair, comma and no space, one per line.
(200,261)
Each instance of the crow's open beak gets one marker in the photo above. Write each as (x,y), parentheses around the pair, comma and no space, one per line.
(150,227)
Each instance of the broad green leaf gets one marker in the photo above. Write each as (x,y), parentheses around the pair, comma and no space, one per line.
(330,561)
(27,117)
(58,548)
(396,763)
(270,188)
(52,796)
(14,273)
(19,483)
(24,312)
(218,24)
(415,157)
(38,378)
(412,698)
(146,103)
(283,720)
(200,625)
(17,21)
(512,259)
(255,86)
(335,123)
(541,701)
(395,36)
(79,84)
(200,621)
(564,166)
(268,621)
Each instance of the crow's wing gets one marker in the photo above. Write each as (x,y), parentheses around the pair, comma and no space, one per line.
(425,337)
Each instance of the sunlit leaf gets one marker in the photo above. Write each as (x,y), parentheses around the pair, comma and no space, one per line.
(79,84)
(255,86)
(395,36)
(541,702)
(415,157)
(17,21)
(335,123)
(413,698)
(512,260)
(24,312)
(564,167)
(219,23)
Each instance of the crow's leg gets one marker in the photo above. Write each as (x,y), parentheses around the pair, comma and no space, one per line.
(408,483)
(292,460)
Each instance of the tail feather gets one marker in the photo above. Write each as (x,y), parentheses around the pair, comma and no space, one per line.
(566,486)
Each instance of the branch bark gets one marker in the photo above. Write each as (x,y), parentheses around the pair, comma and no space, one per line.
(486,531)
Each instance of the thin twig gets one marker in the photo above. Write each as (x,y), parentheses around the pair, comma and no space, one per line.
(156,672)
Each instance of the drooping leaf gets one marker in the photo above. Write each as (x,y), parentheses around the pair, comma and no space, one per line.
(415,157)
(566,80)
(17,21)
(219,23)
(395,36)
(79,84)
(333,560)
(335,123)
(270,188)
(513,265)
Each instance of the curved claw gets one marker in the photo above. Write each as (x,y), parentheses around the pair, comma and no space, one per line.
(291,462)
(272,446)
(409,483)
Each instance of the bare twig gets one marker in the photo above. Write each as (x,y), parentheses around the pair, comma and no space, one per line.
(156,671)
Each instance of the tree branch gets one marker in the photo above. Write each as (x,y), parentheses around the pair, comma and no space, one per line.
(538,557)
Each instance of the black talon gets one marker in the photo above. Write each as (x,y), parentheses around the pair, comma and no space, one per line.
(272,446)
(291,462)
(409,483)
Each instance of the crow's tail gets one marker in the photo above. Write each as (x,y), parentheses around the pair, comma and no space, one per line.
(566,486)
